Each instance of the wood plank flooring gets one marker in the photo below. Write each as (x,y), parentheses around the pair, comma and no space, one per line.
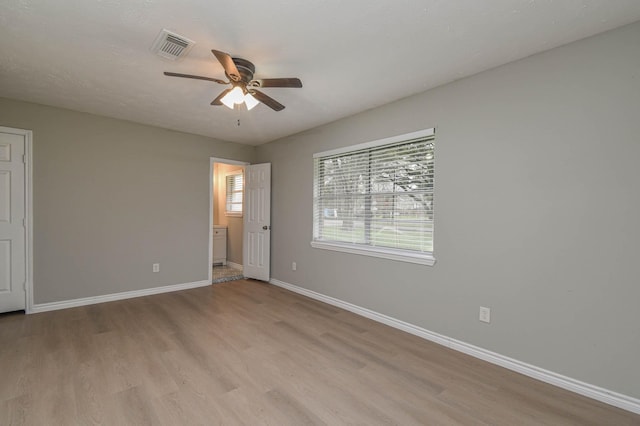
(245,352)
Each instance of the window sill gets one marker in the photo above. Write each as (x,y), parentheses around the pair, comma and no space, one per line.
(385,253)
(233,214)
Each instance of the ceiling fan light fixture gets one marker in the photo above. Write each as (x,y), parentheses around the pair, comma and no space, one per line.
(227,102)
(235,96)
(250,101)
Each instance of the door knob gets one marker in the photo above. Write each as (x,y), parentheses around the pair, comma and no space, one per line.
(265,227)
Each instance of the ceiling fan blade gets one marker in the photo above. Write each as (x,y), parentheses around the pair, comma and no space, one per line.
(197,77)
(267,100)
(227,63)
(276,82)
(217,101)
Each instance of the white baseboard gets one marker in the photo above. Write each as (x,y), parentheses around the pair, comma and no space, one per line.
(234,265)
(64,304)
(595,392)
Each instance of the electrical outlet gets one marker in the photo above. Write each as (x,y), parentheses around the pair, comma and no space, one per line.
(294,267)
(485,314)
(156,267)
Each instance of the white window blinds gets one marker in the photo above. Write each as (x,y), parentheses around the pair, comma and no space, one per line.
(234,189)
(378,195)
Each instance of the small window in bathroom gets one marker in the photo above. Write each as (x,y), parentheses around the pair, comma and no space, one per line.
(234,186)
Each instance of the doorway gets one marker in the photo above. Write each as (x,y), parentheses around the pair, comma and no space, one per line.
(15,220)
(227,213)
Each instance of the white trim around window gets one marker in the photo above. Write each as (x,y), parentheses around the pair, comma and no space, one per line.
(373,144)
(384,253)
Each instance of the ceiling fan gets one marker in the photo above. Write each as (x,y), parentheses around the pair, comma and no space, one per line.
(244,88)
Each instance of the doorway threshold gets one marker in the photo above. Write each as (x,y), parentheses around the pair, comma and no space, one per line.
(224,273)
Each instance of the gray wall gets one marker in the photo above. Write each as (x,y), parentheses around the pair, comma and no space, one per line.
(537,201)
(111,198)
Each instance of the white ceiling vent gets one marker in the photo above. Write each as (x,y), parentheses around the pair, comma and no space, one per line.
(171,45)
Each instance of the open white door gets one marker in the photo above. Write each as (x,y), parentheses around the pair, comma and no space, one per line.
(13,144)
(257,221)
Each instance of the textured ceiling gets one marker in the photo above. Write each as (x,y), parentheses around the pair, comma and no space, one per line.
(94,55)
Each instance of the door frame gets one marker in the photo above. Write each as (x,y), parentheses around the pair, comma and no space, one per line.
(213,160)
(28,212)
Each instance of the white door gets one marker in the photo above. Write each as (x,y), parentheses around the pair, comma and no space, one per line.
(257,221)
(12,219)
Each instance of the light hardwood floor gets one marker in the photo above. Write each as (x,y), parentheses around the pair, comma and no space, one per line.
(246,352)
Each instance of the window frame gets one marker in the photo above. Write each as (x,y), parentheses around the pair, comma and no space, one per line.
(227,199)
(423,258)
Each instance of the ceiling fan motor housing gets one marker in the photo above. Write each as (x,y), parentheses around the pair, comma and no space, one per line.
(245,68)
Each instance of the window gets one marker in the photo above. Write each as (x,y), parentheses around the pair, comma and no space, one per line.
(376,198)
(234,185)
